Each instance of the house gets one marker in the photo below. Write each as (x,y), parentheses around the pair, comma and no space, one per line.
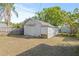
(37,28)
(7,30)
(3,28)
(65,29)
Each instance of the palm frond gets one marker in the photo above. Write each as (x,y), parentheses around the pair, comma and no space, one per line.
(15,11)
(1,13)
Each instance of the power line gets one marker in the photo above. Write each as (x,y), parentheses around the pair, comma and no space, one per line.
(29,10)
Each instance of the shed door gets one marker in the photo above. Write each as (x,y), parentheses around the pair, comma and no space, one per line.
(33,30)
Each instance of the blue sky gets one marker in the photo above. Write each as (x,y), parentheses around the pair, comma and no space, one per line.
(27,10)
(40,6)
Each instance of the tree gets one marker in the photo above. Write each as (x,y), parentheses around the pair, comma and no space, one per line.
(58,17)
(52,15)
(76,10)
(76,13)
(5,11)
(17,25)
(70,20)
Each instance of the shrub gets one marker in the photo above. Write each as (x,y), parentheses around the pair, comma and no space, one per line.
(77,34)
(18,25)
(67,35)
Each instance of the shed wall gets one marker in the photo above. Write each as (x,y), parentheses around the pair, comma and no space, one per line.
(52,32)
(44,30)
(32,30)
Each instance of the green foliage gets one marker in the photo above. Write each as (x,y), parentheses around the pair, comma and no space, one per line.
(77,34)
(67,35)
(53,15)
(58,17)
(18,25)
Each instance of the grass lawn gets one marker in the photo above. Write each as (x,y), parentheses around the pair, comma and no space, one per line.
(20,45)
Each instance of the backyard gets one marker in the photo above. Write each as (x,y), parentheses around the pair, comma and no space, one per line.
(55,46)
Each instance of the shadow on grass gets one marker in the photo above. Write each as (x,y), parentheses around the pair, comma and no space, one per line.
(46,50)
(25,37)
(70,39)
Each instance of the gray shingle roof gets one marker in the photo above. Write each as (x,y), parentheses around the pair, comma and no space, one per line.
(45,24)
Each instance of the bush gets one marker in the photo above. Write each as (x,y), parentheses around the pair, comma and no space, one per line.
(67,35)
(18,25)
(77,34)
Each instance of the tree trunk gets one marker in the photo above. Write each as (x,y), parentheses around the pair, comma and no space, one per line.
(7,16)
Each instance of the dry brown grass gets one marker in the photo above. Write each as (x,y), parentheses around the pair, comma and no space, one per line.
(13,45)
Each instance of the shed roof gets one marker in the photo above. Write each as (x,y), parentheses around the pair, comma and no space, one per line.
(45,24)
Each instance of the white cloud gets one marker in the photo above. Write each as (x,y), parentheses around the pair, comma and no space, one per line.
(23,14)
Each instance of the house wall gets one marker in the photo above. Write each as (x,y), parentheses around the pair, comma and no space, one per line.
(52,32)
(65,29)
(32,30)
(38,31)
(44,30)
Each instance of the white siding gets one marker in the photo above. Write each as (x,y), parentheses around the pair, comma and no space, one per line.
(32,30)
(65,29)
(44,30)
(52,32)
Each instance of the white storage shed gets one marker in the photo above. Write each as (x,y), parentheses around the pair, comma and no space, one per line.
(37,28)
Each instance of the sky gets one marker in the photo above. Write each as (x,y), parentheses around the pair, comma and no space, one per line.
(27,10)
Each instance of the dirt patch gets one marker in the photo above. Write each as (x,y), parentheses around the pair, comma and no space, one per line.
(16,45)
